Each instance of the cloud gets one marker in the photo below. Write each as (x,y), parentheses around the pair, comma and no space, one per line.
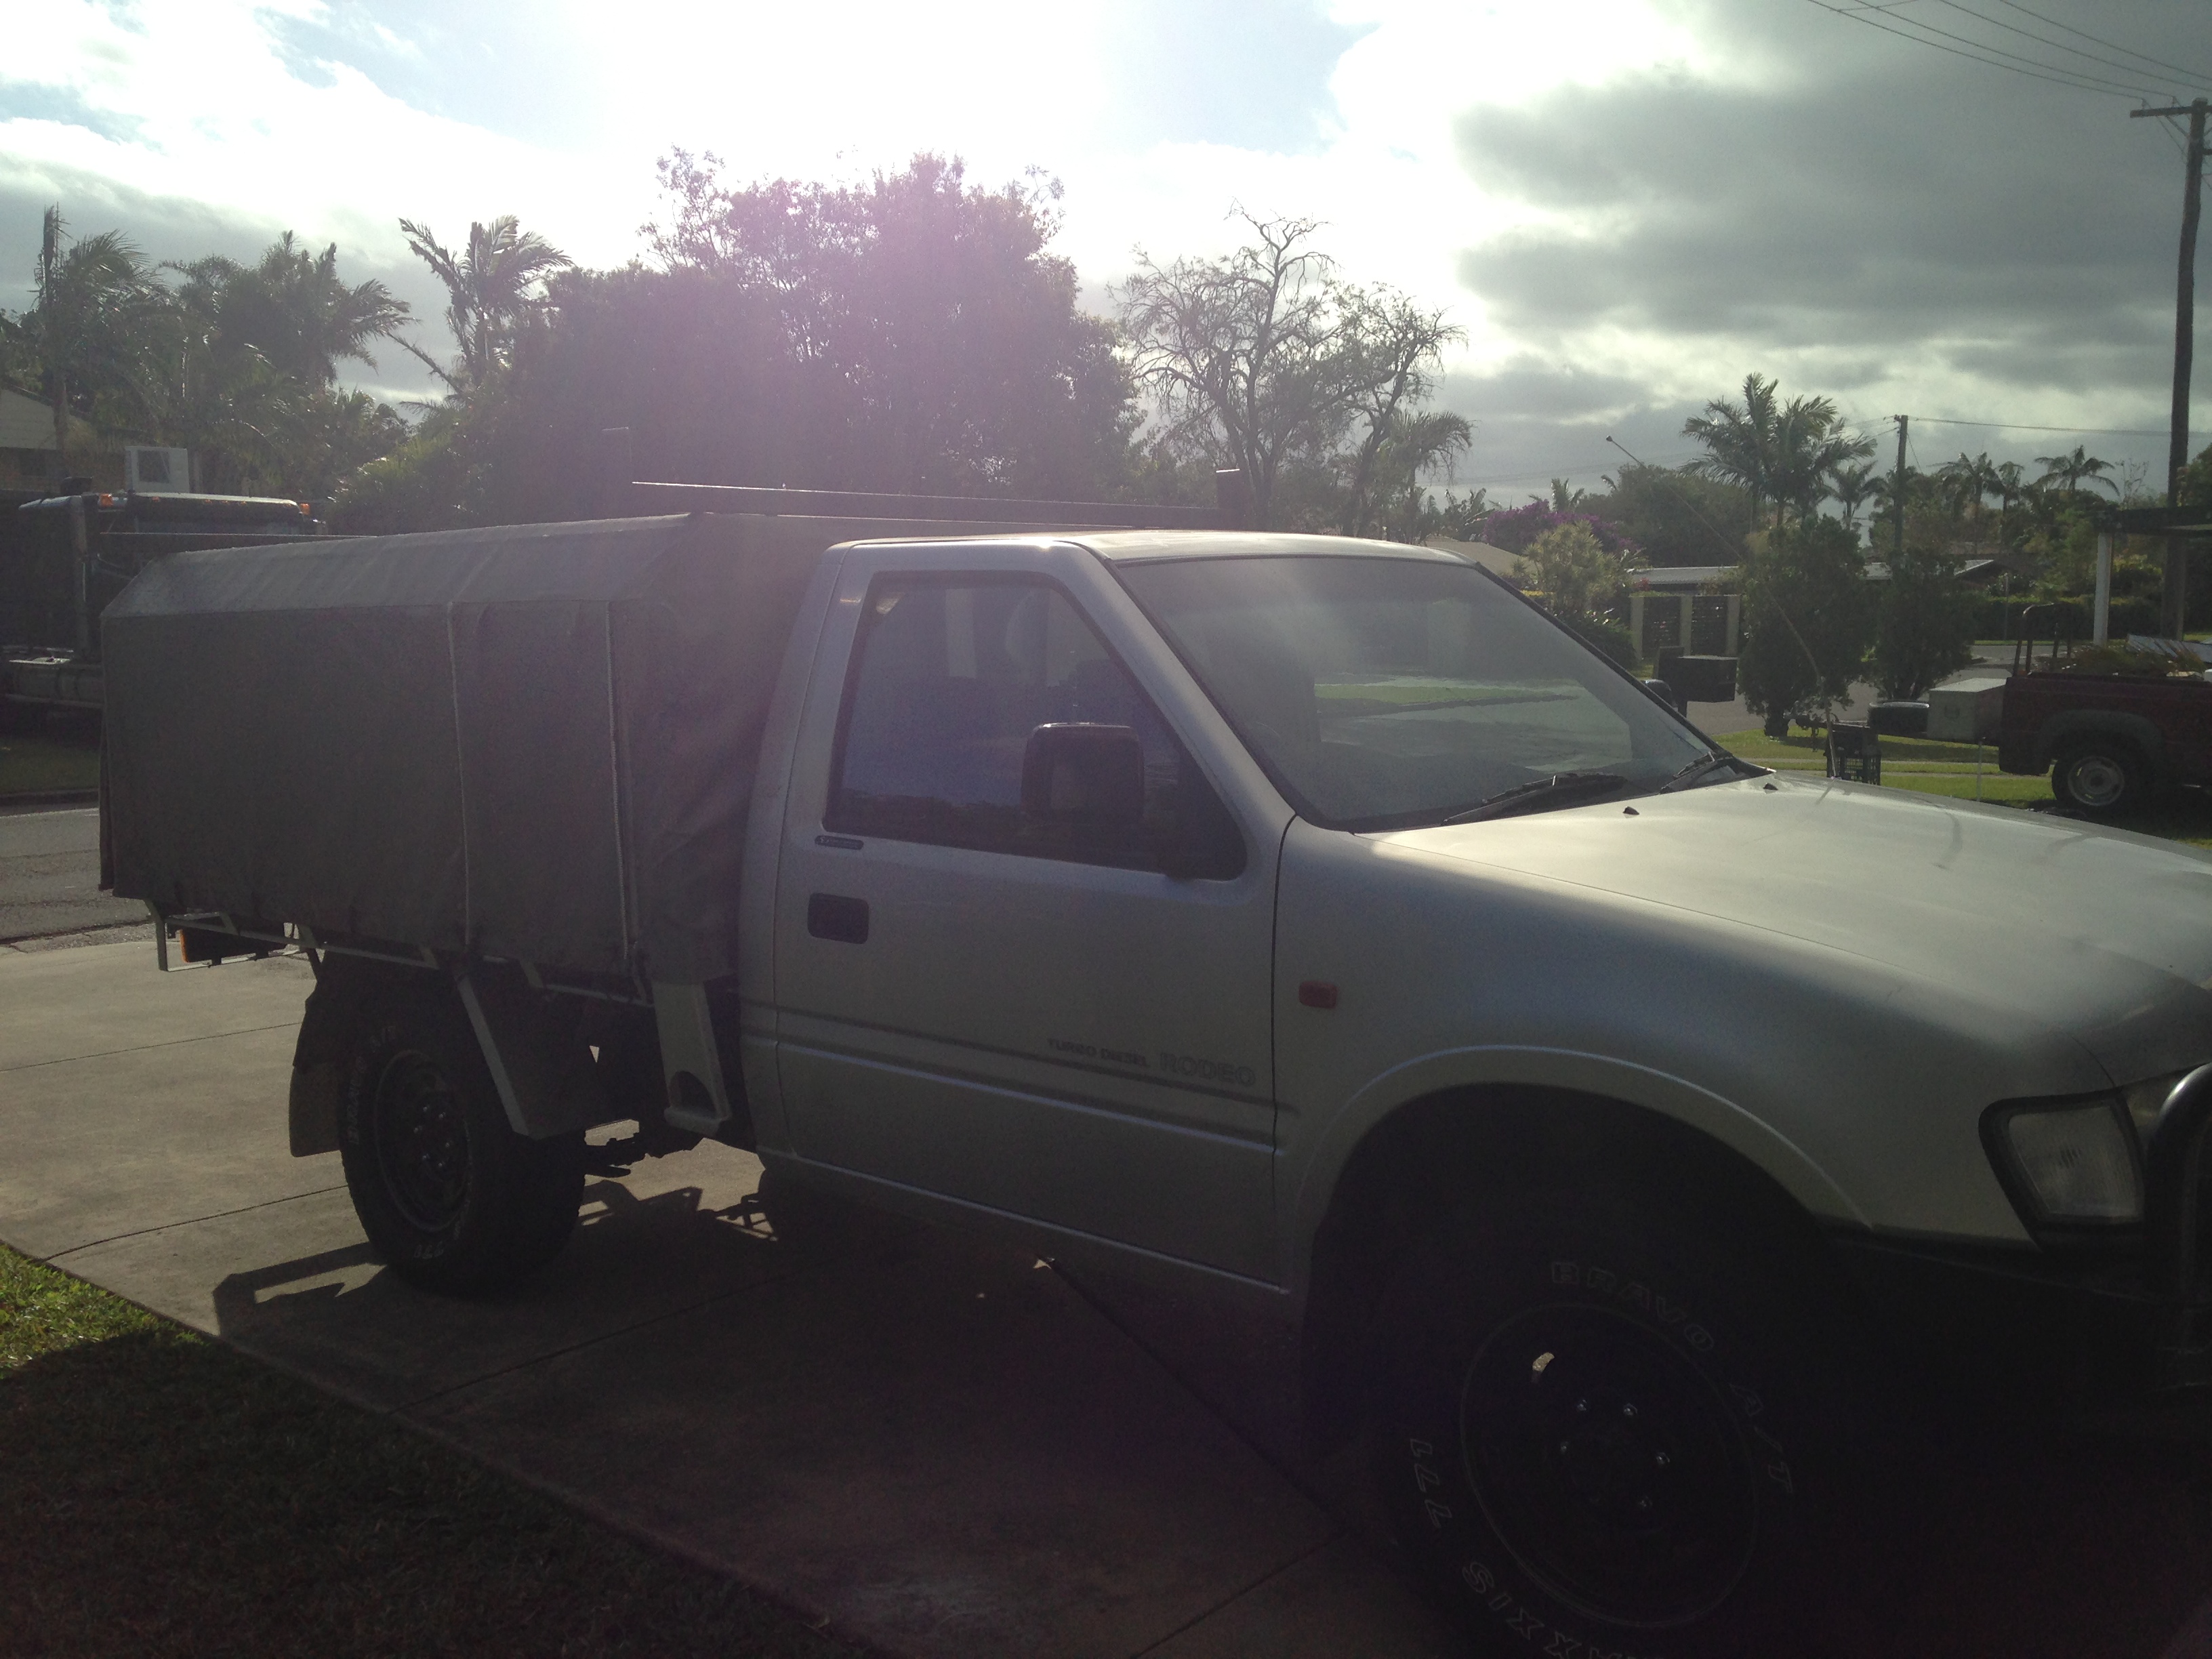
(1874,203)
(1251,73)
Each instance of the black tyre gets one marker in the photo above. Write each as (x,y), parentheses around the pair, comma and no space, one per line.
(1603,1436)
(2101,777)
(448,1193)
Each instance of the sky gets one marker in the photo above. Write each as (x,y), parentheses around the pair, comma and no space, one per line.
(1627,205)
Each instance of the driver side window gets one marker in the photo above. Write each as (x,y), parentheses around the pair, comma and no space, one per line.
(939,739)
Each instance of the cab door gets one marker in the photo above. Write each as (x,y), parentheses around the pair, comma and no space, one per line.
(990,997)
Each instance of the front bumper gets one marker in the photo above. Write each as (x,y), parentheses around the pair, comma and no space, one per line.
(2047,1319)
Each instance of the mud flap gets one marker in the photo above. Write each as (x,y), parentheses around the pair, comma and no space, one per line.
(543,1073)
(314,1107)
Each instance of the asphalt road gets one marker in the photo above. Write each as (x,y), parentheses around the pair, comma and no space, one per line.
(49,875)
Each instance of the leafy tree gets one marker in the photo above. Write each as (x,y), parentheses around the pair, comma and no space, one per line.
(1677,517)
(250,366)
(424,482)
(1462,518)
(927,337)
(1782,454)
(292,308)
(493,288)
(1578,578)
(2197,480)
(911,333)
(1924,620)
(1580,581)
(1808,621)
(97,309)
(1264,361)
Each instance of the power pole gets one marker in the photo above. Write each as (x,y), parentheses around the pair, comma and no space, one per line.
(1897,501)
(2173,599)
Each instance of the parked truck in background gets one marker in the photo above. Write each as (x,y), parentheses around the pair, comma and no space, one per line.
(1308,923)
(2110,742)
(63,557)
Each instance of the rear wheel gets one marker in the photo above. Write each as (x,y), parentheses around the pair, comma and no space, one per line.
(2101,777)
(448,1193)
(1605,1435)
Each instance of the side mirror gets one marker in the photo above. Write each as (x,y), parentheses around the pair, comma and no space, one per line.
(1089,775)
(1665,693)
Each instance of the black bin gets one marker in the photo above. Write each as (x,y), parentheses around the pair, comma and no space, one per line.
(1697,679)
(1854,753)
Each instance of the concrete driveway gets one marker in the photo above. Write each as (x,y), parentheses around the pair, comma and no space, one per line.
(941,1448)
(50,874)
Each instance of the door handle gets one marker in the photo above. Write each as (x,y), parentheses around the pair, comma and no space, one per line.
(833,916)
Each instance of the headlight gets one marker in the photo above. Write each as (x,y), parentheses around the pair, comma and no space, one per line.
(2075,1162)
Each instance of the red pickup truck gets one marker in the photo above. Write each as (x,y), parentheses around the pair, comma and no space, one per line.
(2110,741)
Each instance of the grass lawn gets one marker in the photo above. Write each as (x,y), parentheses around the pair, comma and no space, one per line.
(1947,768)
(34,762)
(162,1494)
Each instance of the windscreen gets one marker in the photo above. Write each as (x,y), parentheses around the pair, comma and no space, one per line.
(1382,693)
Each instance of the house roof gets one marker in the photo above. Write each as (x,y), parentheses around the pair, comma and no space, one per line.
(1678,577)
(25,423)
(1495,560)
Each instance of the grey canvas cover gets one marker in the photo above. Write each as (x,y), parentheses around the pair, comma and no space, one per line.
(534,742)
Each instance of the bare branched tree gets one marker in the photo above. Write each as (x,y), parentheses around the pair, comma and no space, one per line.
(1395,349)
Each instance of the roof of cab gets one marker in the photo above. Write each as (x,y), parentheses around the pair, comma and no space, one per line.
(1130,546)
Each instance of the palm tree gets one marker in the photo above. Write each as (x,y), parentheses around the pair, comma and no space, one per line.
(1850,484)
(489,286)
(1411,445)
(95,299)
(293,308)
(1967,481)
(2068,472)
(1780,454)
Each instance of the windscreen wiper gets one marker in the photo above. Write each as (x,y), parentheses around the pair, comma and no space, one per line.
(1696,768)
(1525,797)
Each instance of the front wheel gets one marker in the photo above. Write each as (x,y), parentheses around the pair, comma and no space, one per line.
(448,1193)
(1608,1439)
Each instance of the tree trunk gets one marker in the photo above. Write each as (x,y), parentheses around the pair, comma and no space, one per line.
(61,428)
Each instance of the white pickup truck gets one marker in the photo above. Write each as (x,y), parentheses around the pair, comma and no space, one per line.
(1309,920)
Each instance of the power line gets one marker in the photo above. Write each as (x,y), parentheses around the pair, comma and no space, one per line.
(2072,431)
(1563,470)
(2196,74)
(2054,74)
(2086,80)
(2181,77)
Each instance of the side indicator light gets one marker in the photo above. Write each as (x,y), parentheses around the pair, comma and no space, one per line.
(1317,993)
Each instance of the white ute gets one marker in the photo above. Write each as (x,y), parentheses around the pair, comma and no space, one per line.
(1311,920)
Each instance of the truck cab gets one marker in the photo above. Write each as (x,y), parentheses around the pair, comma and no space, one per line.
(69,555)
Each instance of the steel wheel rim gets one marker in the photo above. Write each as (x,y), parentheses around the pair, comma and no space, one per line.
(422,1141)
(2096,780)
(1609,1466)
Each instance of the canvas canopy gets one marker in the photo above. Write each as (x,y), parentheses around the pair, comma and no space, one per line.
(532,742)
